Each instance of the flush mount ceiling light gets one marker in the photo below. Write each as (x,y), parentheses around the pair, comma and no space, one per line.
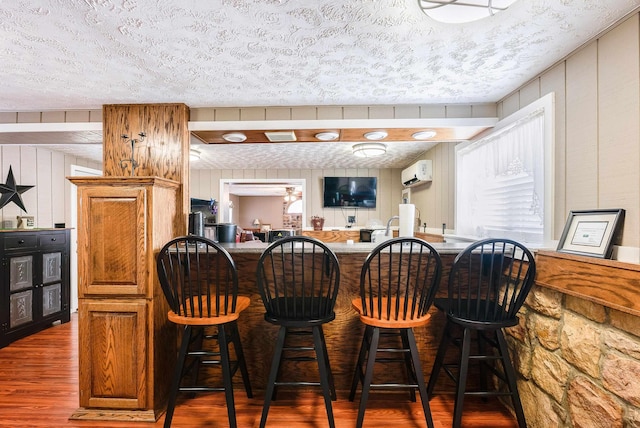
(367,150)
(327,136)
(457,11)
(194,154)
(234,137)
(423,135)
(376,135)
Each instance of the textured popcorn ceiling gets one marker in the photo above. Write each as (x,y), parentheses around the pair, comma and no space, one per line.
(73,54)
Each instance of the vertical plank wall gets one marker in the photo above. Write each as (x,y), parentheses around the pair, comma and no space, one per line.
(49,201)
(597,141)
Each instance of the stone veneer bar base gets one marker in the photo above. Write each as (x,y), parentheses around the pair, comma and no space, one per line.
(577,347)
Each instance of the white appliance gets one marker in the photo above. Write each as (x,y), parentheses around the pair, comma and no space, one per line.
(418,173)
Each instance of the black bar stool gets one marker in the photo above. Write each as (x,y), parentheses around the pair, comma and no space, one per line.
(298,279)
(488,283)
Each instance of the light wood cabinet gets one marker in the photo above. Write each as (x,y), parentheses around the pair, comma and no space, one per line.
(126,344)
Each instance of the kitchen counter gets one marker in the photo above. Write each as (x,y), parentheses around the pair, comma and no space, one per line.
(344,334)
(340,247)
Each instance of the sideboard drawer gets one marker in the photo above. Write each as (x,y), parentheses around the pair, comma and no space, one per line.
(49,239)
(20,242)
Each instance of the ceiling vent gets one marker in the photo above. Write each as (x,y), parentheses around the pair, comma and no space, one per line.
(280,136)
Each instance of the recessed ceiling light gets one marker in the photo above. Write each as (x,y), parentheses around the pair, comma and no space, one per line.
(234,137)
(376,135)
(327,136)
(423,135)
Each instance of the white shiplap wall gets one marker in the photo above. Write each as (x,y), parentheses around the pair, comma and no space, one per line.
(49,201)
(597,141)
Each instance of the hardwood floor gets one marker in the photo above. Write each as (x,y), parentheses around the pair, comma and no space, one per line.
(39,388)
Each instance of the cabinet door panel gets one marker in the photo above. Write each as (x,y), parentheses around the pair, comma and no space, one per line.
(51,267)
(21,275)
(111,242)
(21,308)
(51,299)
(113,354)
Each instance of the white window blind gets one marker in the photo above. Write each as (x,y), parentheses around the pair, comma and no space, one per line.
(500,183)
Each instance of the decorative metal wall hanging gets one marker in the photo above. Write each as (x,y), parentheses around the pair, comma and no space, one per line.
(131,160)
(11,192)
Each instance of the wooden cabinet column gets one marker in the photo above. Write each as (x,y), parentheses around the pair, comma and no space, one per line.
(126,344)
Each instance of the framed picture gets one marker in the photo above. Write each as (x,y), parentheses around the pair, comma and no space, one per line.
(592,233)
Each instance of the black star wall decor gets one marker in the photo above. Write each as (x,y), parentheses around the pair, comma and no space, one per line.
(11,192)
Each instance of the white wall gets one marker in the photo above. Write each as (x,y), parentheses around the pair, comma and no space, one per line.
(205,185)
(49,200)
(597,155)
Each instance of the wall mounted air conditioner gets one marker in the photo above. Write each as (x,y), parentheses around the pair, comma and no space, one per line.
(418,173)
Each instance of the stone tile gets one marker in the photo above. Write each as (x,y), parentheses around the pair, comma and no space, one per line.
(592,407)
(545,301)
(550,372)
(586,308)
(539,410)
(580,340)
(622,342)
(545,330)
(621,376)
(624,321)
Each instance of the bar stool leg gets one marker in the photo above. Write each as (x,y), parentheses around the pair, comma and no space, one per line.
(237,345)
(411,373)
(177,375)
(226,375)
(358,374)
(511,379)
(368,375)
(419,377)
(322,359)
(462,378)
(332,385)
(437,364)
(273,374)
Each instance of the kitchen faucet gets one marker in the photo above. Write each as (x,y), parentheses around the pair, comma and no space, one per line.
(395,217)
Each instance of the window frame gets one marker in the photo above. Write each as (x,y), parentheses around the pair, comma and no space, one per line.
(547,105)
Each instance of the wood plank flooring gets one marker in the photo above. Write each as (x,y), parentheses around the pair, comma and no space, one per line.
(39,388)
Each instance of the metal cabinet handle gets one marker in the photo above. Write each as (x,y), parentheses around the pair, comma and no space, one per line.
(21,241)
(53,239)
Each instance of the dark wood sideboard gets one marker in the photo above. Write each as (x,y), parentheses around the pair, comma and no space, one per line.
(34,286)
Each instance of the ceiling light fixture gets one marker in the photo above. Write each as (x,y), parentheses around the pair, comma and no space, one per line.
(423,135)
(234,137)
(368,150)
(376,135)
(194,154)
(458,12)
(327,136)
(290,197)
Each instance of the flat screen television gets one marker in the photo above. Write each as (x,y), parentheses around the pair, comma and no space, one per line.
(354,192)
